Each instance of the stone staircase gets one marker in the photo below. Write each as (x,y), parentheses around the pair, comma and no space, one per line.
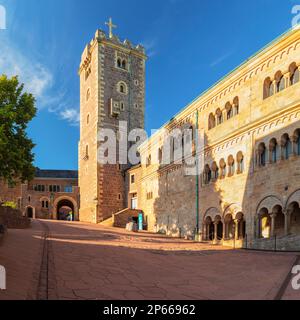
(120,219)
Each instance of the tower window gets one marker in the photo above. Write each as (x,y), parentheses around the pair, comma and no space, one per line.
(122,106)
(122,87)
(132,178)
(88,94)
(119,63)
(86,157)
(122,64)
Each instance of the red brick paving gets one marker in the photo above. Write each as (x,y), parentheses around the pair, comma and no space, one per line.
(94,262)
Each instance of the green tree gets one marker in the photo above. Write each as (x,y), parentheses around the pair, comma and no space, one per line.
(17,109)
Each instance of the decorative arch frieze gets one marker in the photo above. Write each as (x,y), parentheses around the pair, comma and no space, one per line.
(269,202)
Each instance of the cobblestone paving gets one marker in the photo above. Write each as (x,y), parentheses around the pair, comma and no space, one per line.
(61,260)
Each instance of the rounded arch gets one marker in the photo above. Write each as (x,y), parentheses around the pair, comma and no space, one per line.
(211,121)
(268,203)
(119,63)
(294,73)
(233,209)
(229,110)
(45,202)
(212,213)
(65,201)
(280,81)
(219,115)
(30,212)
(293,198)
(268,88)
(236,105)
(122,87)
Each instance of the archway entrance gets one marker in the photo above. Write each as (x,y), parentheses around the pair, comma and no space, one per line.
(209,229)
(65,210)
(30,213)
(241,225)
(294,211)
(264,224)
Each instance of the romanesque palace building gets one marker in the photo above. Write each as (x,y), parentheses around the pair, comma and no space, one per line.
(246,142)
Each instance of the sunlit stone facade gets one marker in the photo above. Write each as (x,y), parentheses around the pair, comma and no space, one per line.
(247,143)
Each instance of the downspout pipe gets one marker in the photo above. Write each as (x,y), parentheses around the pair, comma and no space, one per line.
(197,175)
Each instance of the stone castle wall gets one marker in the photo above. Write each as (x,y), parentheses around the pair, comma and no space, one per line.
(173,205)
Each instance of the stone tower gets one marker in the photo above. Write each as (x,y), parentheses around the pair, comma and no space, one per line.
(112,89)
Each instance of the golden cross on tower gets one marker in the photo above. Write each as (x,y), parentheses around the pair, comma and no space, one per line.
(110,26)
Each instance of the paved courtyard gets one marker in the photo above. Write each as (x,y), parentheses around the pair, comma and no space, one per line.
(64,260)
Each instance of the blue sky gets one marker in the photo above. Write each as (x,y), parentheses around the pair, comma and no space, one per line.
(191,44)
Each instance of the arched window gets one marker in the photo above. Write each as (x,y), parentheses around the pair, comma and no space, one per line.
(215,171)
(280,81)
(231,166)
(236,105)
(45,204)
(86,152)
(296,138)
(88,119)
(122,87)
(119,63)
(223,169)
(273,150)
(268,88)
(229,110)
(188,138)
(294,74)
(240,162)
(124,64)
(262,155)
(286,146)
(148,161)
(219,117)
(211,121)
(160,155)
(207,174)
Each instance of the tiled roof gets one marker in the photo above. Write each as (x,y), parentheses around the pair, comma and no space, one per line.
(56,174)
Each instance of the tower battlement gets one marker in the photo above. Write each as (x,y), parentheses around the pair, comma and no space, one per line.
(124,45)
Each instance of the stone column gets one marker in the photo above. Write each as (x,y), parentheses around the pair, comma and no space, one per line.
(205,231)
(287,79)
(216,231)
(272,232)
(236,231)
(287,221)
(294,140)
(224,231)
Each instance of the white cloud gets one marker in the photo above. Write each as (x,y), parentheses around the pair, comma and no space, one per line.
(71,115)
(35,76)
(150,46)
(37,80)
